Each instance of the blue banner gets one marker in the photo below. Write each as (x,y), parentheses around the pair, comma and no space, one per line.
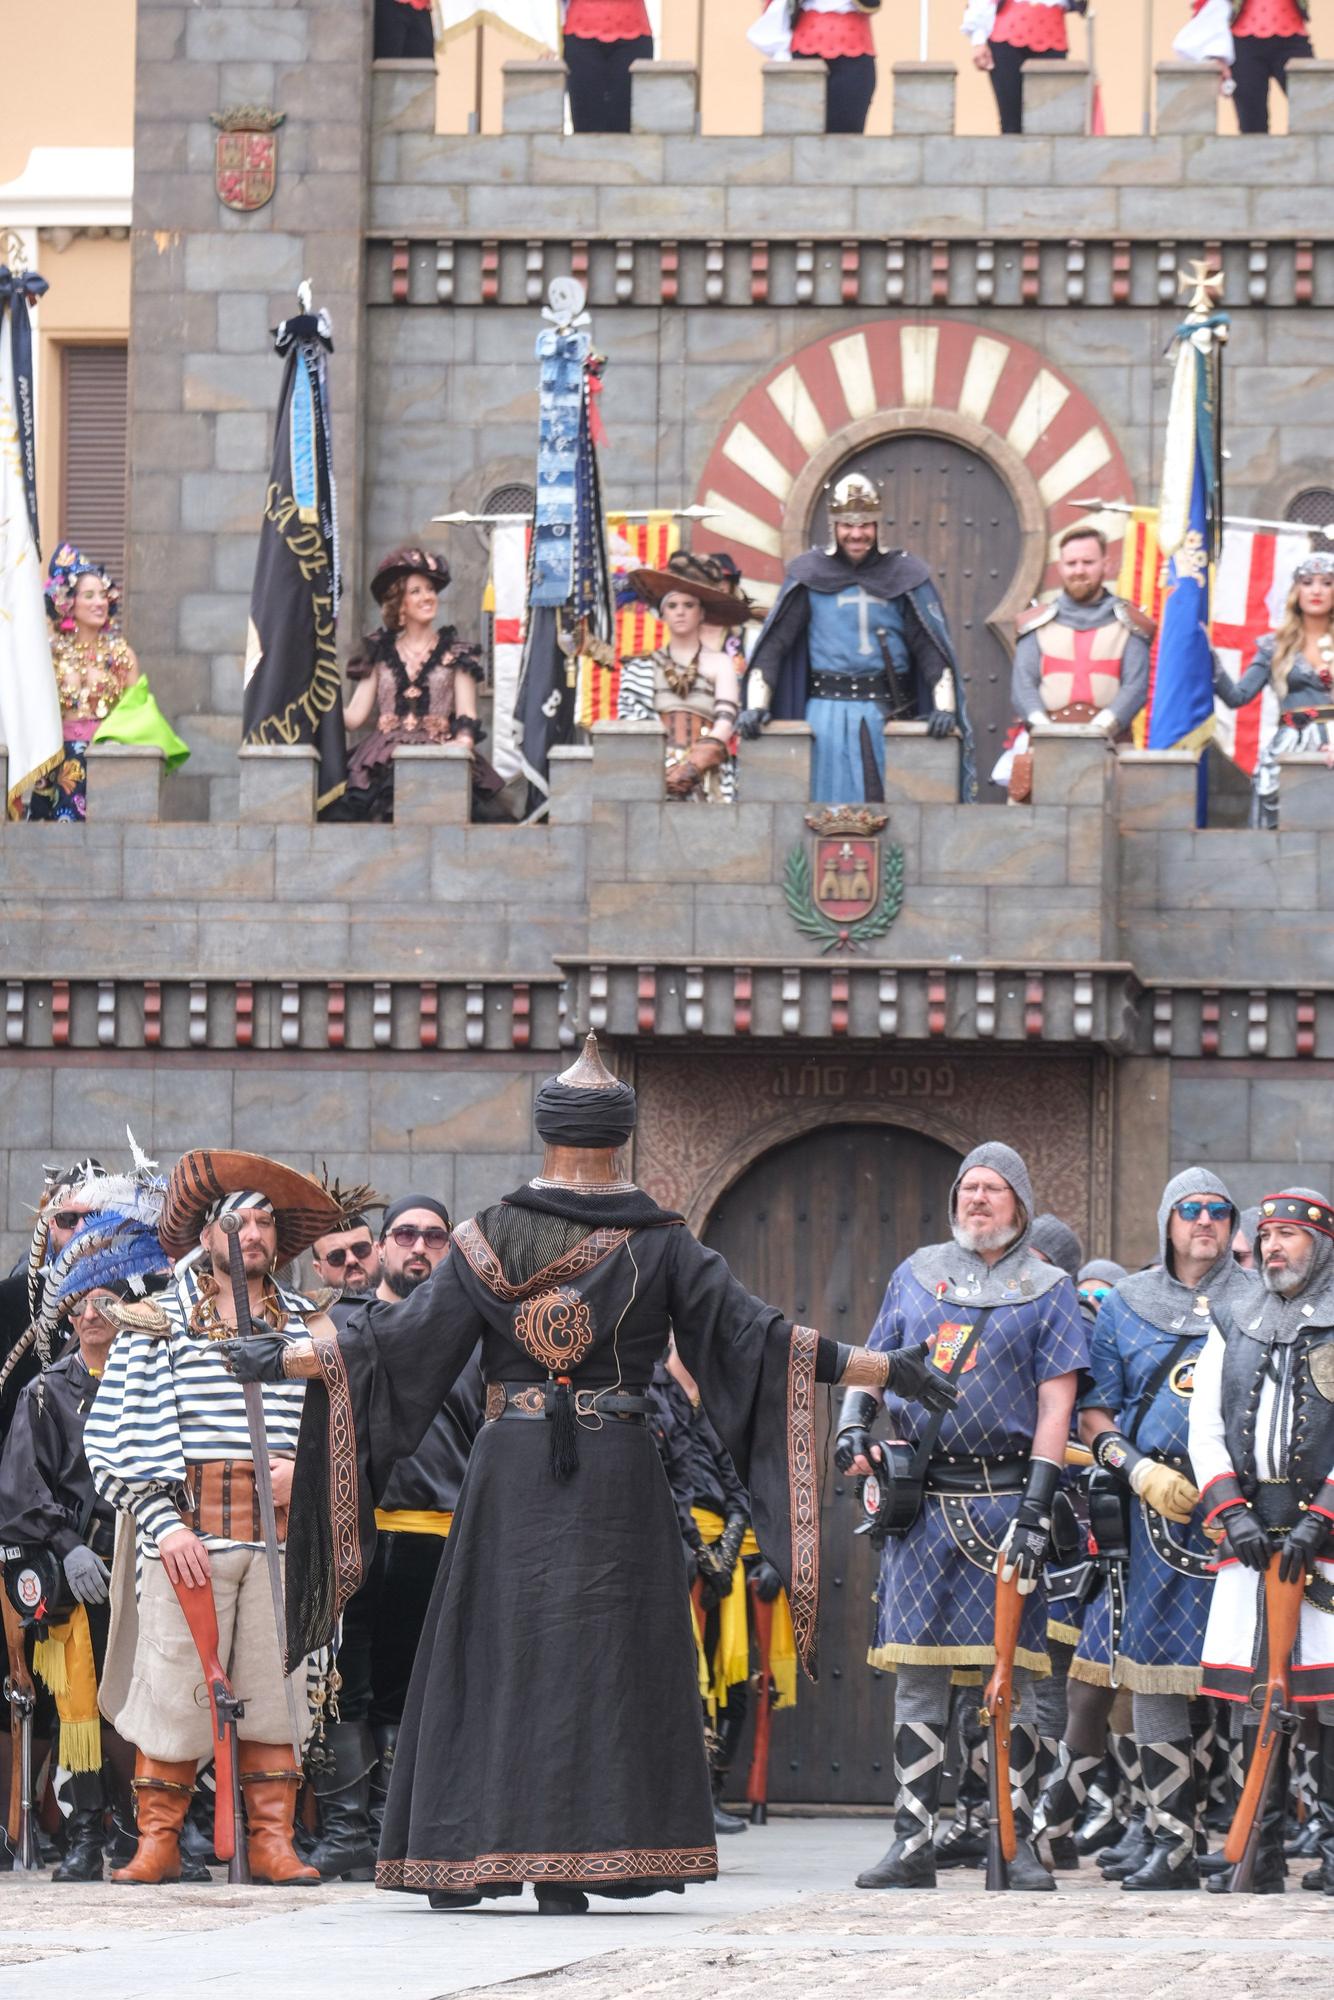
(1182,712)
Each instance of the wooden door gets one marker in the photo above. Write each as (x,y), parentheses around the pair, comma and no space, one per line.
(950,506)
(816,1227)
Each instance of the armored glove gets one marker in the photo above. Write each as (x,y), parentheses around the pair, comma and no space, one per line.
(941,722)
(751,721)
(1028,1538)
(1246,1538)
(912,1377)
(766,1580)
(860,1410)
(713,1582)
(1169,1493)
(258,1358)
(89,1577)
(729,1547)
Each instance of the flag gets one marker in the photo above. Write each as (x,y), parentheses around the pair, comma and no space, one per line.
(1181,697)
(1141,584)
(29,705)
(504,600)
(630,545)
(293,685)
(536,22)
(1251,585)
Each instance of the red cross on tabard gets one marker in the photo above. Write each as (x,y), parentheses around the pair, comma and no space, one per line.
(1082,666)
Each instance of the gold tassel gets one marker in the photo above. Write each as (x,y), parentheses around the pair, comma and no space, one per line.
(48,1661)
(953,1656)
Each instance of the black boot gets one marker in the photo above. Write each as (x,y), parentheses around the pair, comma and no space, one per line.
(910,1862)
(340,1777)
(963,1843)
(196,1841)
(1169,1785)
(1271,1870)
(1063,1805)
(386,1740)
(1323,1815)
(1101,1825)
(85,1830)
(724,1821)
(562,1901)
(1026,1871)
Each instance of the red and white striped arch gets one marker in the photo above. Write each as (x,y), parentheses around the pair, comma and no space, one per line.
(1007,389)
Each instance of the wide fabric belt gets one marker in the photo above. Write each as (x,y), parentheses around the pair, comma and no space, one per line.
(847,687)
(221,1500)
(529,1399)
(1275,1504)
(977,1477)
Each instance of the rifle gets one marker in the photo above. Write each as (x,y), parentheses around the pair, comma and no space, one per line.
(757,1782)
(1283,1610)
(21,1819)
(201,1615)
(997,1707)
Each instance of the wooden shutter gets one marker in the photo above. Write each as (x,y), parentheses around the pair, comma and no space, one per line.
(93,483)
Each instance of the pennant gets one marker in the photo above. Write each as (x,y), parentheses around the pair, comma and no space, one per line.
(30,721)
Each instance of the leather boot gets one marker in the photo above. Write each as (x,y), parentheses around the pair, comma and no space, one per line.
(919,1762)
(723,1821)
(386,1742)
(1063,1805)
(1026,1871)
(1101,1826)
(269,1784)
(1323,1816)
(1169,1785)
(85,1830)
(340,1777)
(963,1843)
(161,1799)
(1271,1870)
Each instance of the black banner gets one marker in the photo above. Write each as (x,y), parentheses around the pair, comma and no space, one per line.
(293,684)
(19,290)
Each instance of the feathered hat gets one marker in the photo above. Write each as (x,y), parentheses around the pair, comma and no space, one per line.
(204,1182)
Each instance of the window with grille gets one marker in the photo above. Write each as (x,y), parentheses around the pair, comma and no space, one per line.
(1314,508)
(92,489)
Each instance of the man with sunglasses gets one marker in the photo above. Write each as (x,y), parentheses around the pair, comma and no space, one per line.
(382,1624)
(1147,1342)
(349,1260)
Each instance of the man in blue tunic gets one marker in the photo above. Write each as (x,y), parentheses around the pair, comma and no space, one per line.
(1148,1338)
(1006,1326)
(857,637)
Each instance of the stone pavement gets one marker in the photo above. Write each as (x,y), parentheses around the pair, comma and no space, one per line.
(782,1922)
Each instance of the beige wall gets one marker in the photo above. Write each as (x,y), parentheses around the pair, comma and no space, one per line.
(730,88)
(70,71)
(89,301)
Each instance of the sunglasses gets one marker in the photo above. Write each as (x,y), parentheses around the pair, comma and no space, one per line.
(434,1239)
(358,1252)
(1191,1211)
(1095,1294)
(67,1218)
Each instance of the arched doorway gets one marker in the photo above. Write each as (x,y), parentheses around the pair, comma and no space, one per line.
(817,1225)
(948,504)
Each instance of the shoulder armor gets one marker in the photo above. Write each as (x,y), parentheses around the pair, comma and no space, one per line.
(1035,615)
(139,1316)
(1134,619)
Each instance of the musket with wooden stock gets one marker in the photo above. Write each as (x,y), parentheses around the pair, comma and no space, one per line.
(757,1780)
(201,1615)
(1283,1611)
(997,1711)
(21,1817)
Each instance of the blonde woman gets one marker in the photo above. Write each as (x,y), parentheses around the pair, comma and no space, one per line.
(1297,661)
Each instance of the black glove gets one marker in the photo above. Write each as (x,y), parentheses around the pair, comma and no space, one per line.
(258,1358)
(729,1547)
(89,1577)
(1246,1538)
(751,721)
(941,722)
(912,1377)
(766,1581)
(1301,1546)
(859,1412)
(714,1585)
(1026,1544)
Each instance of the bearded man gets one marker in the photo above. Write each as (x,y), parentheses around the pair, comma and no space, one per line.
(1005,1327)
(1262,1445)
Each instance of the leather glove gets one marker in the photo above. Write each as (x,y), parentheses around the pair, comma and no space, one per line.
(941,722)
(1028,1538)
(729,1547)
(89,1578)
(713,1585)
(854,1443)
(751,721)
(1246,1539)
(1168,1493)
(258,1358)
(766,1581)
(912,1377)
(1301,1546)
(859,1412)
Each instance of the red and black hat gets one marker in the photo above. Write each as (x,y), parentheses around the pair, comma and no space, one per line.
(409,562)
(1305,1210)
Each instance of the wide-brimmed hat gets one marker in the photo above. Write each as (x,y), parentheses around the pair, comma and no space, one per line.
(303,1207)
(409,562)
(693,576)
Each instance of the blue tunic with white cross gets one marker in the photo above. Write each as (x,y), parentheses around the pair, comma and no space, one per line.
(849,634)
(1167,1590)
(936,1594)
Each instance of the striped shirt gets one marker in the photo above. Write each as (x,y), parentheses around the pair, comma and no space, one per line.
(167,1402)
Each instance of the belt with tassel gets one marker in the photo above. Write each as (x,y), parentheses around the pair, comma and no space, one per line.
(533,1399)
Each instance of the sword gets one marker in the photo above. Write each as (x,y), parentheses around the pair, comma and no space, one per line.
(259,1452)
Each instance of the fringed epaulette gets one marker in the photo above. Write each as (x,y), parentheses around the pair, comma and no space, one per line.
(1035,615)
(138,1316)
(1134,619)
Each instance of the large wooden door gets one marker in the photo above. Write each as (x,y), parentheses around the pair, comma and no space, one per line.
(816,1227)
(950,506)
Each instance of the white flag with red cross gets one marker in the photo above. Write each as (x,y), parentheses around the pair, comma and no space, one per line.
(1251,585)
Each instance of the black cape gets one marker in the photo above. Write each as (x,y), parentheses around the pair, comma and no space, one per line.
(46,1488)
(553,1731)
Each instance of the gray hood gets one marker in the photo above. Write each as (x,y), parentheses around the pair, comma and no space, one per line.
(1157,1294)
(1058,1243)
(1281,1321)
(967,1279)
(1101,1270)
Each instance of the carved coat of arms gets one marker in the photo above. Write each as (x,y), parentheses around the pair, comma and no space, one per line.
(847,891)
(245,169)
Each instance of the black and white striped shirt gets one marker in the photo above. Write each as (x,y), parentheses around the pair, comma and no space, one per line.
(167,1402)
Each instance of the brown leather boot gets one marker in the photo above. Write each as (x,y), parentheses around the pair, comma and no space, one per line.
(270,1783)
(162,1799)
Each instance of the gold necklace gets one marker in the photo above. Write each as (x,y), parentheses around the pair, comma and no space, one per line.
(207,1322)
